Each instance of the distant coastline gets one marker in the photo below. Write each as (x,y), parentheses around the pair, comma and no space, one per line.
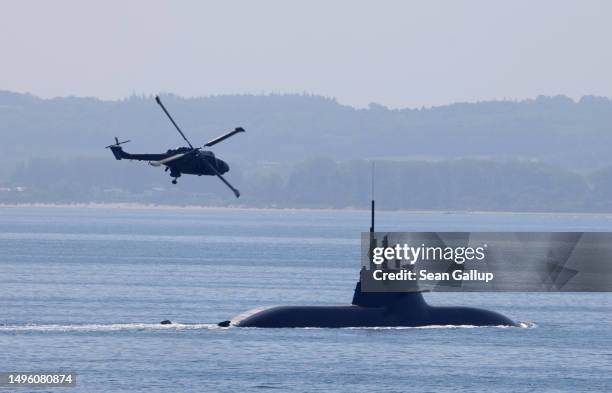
(541,154)
(145,206)
(130,205)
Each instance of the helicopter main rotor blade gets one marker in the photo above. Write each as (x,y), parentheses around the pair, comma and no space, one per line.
(167,160)
(234,190)
(224,137)
(172,120)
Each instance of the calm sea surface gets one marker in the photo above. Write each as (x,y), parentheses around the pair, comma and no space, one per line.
(85,289)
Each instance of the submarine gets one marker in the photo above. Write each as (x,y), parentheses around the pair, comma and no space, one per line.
(370,309)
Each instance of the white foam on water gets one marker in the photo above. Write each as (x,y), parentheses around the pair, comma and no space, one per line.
(244,315)
(106,327)
(521,325)
(210,326)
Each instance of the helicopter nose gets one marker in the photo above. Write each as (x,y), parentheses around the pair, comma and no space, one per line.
(223,166)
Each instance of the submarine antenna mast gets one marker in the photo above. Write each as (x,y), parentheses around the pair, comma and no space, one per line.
(372,207)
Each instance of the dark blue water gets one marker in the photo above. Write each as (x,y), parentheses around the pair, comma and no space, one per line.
(84,290)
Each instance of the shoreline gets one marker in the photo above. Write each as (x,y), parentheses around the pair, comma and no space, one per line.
(152,206)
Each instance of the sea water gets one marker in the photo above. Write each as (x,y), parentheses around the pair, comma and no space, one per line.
(84,290)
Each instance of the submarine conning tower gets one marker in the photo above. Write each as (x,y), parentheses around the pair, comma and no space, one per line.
(410,308)
(384,299)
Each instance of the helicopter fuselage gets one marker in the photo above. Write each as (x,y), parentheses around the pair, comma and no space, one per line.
(199,162)
(183,160)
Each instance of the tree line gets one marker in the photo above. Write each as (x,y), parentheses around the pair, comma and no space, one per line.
(454,184)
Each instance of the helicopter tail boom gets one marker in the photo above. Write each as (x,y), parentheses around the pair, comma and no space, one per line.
(120,154)
(117,152)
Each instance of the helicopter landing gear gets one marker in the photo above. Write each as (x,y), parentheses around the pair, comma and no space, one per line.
(175,175)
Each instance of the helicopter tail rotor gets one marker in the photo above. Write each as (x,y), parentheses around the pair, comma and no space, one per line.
(117,143)
(116,148)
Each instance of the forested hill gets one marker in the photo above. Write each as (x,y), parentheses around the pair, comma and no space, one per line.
(290,128)
(545,154)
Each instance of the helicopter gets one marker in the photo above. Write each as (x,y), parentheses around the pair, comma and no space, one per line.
(183,160)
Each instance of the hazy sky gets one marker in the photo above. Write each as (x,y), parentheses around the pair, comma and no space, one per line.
(400,54)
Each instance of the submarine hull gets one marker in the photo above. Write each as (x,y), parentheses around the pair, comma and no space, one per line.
(370,309)
(401,310)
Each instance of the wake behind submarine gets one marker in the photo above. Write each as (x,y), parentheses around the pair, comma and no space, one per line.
(370,309)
